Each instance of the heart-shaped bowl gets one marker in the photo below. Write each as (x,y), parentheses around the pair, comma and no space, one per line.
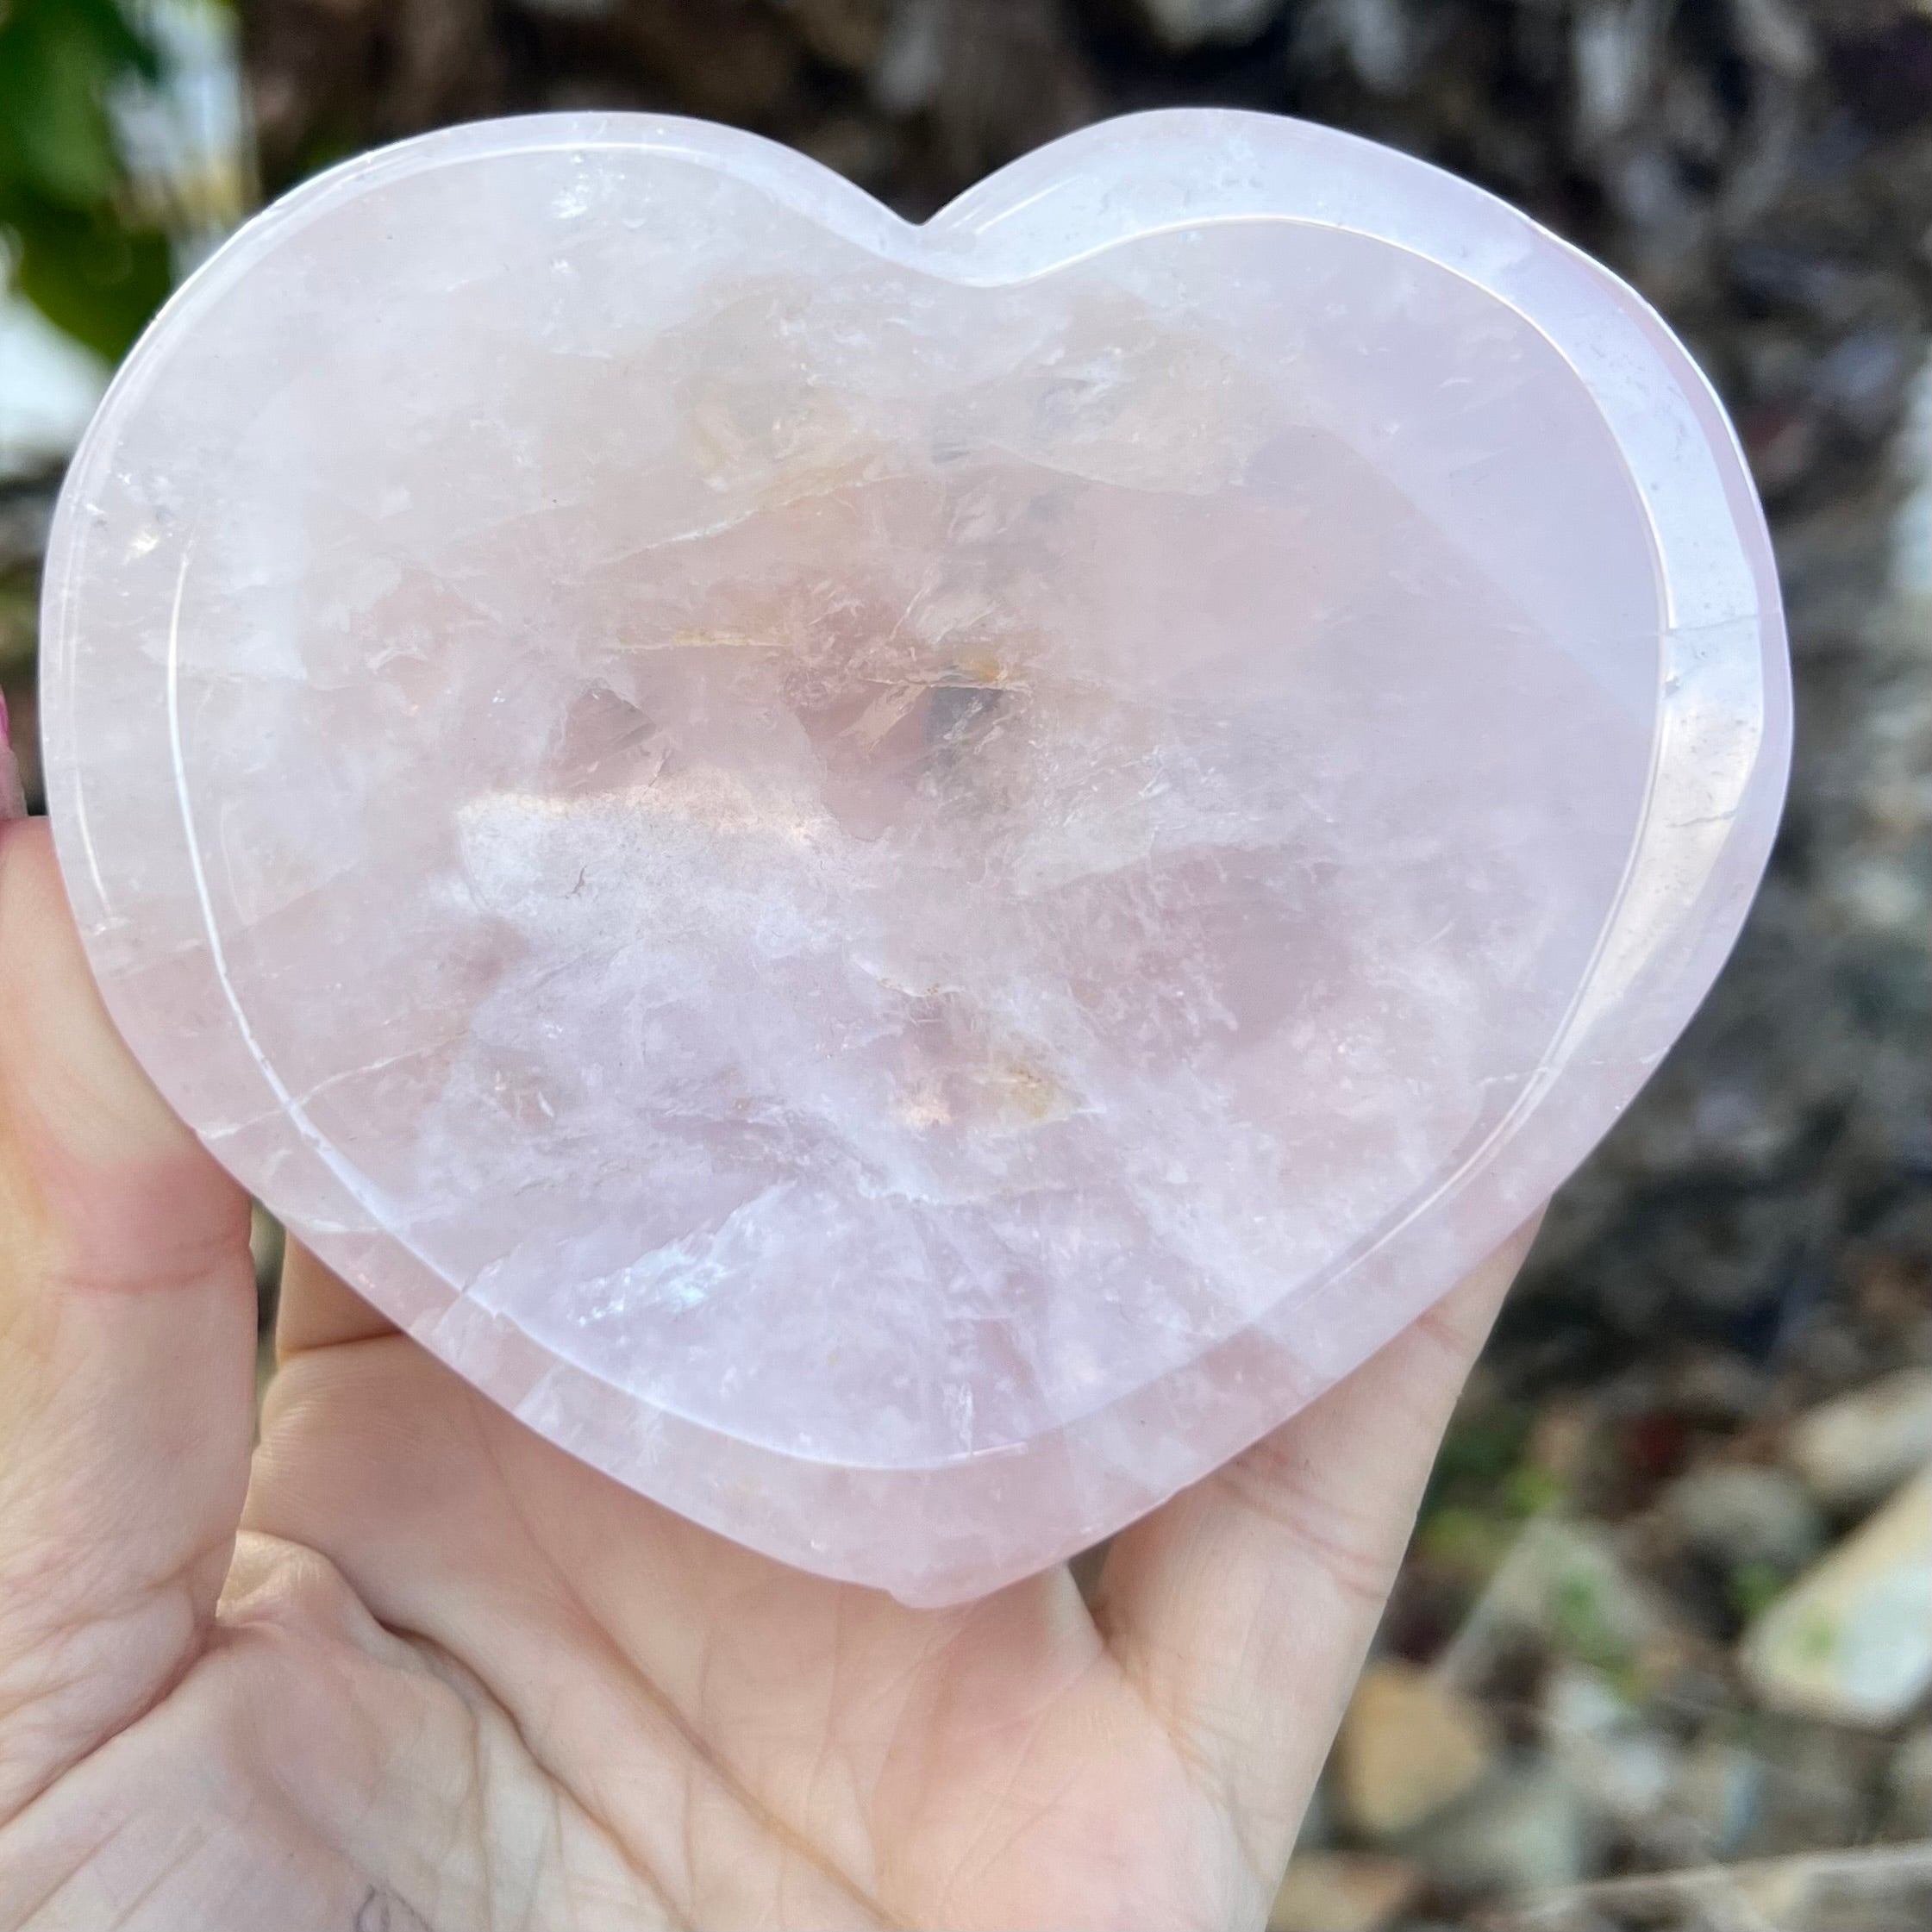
(904,882)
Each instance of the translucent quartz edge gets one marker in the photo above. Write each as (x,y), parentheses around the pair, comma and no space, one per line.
(1695,864)
(1136,176)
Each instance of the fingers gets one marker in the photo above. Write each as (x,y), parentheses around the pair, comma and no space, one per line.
(318,1308)
(1243,1608)
(127,1345)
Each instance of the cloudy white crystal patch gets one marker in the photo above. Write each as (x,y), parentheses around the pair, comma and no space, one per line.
(904,882)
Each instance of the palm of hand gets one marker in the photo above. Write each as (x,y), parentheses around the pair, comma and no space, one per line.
(447,1676)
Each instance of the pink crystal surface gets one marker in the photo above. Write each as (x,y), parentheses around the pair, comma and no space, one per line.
(904,882)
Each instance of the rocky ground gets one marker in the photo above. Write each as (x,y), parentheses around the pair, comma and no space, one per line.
(1660,1654)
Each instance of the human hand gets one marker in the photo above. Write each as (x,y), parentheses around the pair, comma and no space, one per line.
(405,1664)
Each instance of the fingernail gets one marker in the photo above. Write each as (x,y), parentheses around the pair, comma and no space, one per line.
(13,799)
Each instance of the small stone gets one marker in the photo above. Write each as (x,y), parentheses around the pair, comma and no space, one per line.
(1716,1386)
(1738,1513)
(1816,1788)
(1528,1828)
(1565,1585)
(1409,1745)
(1853,1449)
(1597,1740)
(1800,1785)
(1866,1888)
(1713,1801)
(1851,1641)
(1343,1892)
(1909,1786)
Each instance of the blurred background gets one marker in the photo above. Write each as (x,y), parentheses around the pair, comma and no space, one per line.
(1661,1652)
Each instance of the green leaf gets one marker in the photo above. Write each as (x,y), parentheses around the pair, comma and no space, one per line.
(60,61)
(86,274)
(64,187)
(53,92)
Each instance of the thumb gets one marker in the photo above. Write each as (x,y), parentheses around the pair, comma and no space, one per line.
(126,1342)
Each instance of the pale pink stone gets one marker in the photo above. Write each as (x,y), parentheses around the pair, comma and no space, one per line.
(901,882)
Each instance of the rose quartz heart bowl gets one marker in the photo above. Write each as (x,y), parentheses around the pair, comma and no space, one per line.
(905,882)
